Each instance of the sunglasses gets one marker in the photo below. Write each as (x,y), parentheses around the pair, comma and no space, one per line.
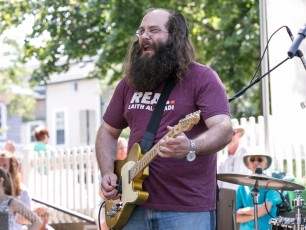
(259,159)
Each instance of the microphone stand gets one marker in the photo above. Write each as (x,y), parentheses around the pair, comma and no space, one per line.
(234,215)
(255,195)
(244,89)
(255,190)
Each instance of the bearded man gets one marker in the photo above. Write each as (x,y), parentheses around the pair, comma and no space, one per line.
(182,177)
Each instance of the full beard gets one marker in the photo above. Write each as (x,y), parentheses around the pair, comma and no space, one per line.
(145,73)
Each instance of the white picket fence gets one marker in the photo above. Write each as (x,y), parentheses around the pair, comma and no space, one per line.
(68,178)
(288,156)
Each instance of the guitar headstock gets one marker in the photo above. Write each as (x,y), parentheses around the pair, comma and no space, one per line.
(188,122)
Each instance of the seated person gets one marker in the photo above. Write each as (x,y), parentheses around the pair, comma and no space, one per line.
(13,206)
(267,199)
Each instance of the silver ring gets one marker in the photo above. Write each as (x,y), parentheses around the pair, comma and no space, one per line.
(160,149)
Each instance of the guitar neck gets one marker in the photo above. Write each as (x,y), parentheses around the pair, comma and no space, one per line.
(184,125)
(147,158)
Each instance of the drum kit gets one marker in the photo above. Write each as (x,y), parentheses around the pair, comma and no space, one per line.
(261,181)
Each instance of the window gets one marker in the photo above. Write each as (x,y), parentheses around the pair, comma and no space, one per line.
(60,127)
(87,127)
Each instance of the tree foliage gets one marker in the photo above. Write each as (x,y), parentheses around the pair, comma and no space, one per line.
(225,34)
(13,85)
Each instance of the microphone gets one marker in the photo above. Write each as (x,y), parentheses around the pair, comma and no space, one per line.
(258,170)
(297,41)
(285,203)
(298,52)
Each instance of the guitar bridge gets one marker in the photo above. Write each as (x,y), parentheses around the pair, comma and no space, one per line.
(115,208)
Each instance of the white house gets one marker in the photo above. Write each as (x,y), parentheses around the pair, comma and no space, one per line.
(70,106)
(74,107)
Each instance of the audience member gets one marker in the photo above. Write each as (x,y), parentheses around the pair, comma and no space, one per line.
(9,146)
(233,163)
(122,148)
(9,162)
(41,136)
(267,199)
(41,145)
(14,206)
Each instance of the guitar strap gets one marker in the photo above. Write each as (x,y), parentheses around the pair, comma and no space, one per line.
(149,135)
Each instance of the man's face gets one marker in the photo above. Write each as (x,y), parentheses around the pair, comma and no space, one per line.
(153,57)
(153,31)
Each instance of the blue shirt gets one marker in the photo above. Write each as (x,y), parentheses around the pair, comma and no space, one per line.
(244,199)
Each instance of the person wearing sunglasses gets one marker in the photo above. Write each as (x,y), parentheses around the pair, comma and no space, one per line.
(267,199)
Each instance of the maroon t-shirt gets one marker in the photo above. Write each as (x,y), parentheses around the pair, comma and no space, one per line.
(174,184)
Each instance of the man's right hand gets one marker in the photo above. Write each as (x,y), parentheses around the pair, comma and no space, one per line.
(109,186)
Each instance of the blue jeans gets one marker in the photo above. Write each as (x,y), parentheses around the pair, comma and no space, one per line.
(148,219)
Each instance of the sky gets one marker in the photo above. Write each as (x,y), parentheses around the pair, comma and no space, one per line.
(288,81)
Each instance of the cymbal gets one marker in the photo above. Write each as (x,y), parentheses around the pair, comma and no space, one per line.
(262,181)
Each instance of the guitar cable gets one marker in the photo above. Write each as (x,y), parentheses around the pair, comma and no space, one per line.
(284,201)
(119,190)
(99,214)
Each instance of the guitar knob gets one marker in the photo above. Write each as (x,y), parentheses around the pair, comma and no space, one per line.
(119,204)
(111,213)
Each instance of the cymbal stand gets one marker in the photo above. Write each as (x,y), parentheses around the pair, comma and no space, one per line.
(255,195)
(298,203)
(234,214)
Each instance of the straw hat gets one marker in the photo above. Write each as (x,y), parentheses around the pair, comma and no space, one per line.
(237,127)
(258,153)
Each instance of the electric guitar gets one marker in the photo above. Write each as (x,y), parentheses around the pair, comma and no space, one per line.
(133,171)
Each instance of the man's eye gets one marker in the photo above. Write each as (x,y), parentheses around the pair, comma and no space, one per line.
(154,31)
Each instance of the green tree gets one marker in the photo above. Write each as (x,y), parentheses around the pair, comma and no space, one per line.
(225,34)
(14,88)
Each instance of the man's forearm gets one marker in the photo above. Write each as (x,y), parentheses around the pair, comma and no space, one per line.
(215,138)
(105,151)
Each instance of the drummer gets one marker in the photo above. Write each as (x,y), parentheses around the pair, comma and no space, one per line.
(267,200)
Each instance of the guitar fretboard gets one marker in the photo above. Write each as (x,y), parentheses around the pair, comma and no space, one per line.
(184,125)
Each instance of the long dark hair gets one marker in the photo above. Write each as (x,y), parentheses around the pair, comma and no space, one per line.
(179,35)
(13,170)
(7,181)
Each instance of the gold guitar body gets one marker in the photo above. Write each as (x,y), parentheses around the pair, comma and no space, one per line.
(132,191)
